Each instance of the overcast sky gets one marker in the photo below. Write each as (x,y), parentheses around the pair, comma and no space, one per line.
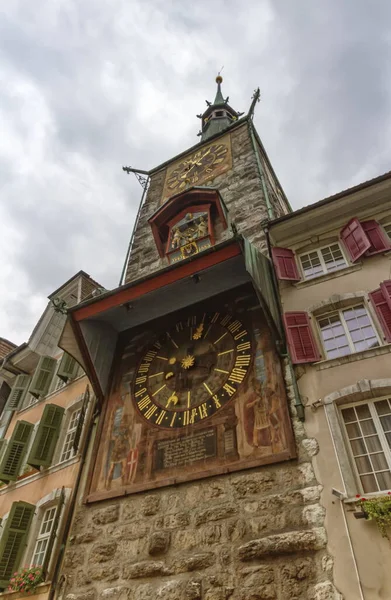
(90,85)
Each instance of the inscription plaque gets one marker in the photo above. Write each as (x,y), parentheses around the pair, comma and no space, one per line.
(183,451)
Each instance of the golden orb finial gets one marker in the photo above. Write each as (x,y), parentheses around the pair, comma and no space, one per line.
(219,79)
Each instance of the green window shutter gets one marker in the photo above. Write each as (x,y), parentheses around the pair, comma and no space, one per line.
(13,540)
(3,445)
(80,423)
(43,376)
(15,452)
(68,367)
(18,392)
(45,440)
(53,533)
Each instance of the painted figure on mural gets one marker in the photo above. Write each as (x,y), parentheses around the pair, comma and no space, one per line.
(259,418)
(123,447)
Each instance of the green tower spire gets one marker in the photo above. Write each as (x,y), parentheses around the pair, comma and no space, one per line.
(218,116)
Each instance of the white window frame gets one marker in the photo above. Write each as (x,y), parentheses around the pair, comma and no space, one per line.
(339,312)
(385,226)
(380,433)
(76,405)
(40,537)
(322,261)
(70,432)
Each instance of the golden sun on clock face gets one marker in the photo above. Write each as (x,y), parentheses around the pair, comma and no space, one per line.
(192,370)
(206,163)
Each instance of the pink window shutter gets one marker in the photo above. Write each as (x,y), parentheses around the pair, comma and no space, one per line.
(285,264)
(377,237)
(383,311)
(355,239)
(386,291)
(300,338)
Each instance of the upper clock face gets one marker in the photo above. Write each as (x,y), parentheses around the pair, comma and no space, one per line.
(192,370)
(206,163)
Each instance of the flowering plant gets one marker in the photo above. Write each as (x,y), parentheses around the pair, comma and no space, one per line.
(378,509)
(26,579)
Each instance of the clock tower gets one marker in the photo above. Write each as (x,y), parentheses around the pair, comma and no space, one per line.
(197,483)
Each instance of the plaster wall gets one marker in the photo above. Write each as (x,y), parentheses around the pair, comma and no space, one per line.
(350,540)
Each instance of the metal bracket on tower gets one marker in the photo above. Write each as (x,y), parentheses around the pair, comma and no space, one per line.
(143,181)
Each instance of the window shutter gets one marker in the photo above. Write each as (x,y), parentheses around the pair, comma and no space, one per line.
(45,440)
(79,429)
(15,452)
(285,264)
(43,376)
(53,533)
(355,239)
(13,540)
(383,311)
(3,445)
(18,392)
(68,367)
(300,338)
(377,237)
(386,291)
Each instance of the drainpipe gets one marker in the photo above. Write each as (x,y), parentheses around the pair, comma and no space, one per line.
(269,207)
(297,400)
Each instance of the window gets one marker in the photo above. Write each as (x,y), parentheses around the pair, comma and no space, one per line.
(44,536)
(368,428)
(68,450)
(322,260)
(347,331)
(387,229)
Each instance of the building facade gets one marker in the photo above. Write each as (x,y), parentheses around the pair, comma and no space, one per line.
(202,483)
(44,426)
(332,262)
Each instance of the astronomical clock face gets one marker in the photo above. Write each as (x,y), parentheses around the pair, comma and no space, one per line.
(204,164)
(193,370)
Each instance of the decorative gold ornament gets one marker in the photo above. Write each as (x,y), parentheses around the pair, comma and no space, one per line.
(172,360)
(198,332)
(169,375)
(188,361)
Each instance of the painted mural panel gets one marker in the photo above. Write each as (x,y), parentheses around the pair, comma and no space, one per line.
(195,394)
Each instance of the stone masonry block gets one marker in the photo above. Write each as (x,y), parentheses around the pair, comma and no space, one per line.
(193,590)
(222,511)
(102,552)
(150,505)
(109,514)
(195,562)
(174,521)
(283,543)
(85,595)
(145,569)
(159,542)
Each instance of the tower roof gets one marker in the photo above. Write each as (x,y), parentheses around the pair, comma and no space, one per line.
(218,115)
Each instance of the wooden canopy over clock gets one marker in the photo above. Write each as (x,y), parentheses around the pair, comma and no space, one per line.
(184,225)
